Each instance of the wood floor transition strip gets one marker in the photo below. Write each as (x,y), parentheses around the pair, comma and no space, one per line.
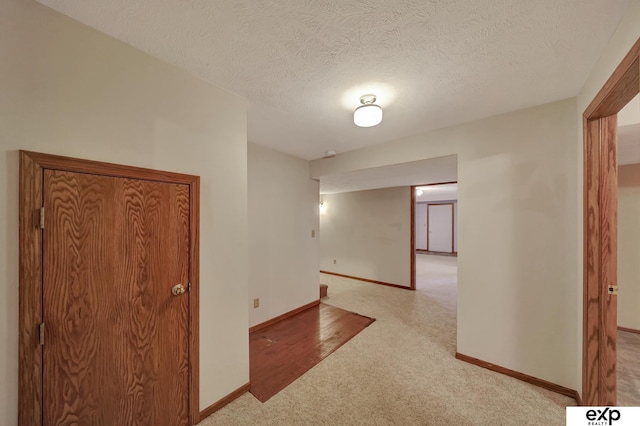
(520,376)
(281,353)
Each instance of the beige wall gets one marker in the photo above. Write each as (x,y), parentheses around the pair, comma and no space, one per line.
(625,36)
(368,233)
(629,246)
(283,212)
(66,89)
(518,192)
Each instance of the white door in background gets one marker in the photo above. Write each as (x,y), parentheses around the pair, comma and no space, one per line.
(421,226)
(440,227)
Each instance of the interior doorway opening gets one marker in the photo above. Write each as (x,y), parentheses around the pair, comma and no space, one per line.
(434,241)
(628,362)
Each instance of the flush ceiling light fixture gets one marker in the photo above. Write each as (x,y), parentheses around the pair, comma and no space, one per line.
(368,114)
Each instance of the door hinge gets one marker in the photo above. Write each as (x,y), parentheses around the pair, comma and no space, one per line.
(613,289)
(41,217)
(189,287)
(41,334)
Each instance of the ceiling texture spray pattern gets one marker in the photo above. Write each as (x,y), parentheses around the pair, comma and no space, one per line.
(303,65)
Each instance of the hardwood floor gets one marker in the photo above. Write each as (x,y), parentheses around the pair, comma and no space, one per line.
(282,352)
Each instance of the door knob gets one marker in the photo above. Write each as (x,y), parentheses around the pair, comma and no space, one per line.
(178,289)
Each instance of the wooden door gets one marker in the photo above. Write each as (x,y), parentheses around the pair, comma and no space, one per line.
(440,228)
(116,349)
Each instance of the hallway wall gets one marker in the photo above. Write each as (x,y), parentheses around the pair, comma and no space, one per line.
(518,189)
(368,234)
(70,90)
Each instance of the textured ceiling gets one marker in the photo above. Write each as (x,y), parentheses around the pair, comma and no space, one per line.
(303,64)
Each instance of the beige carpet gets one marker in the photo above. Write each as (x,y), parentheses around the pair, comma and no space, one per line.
(628,369)
(437,276)
(401,370)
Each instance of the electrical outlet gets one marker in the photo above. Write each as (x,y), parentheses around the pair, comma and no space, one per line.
(334,261)
(313,233)
(256,303)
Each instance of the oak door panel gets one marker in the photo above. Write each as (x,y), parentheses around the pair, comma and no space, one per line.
(608,259)
(116,345)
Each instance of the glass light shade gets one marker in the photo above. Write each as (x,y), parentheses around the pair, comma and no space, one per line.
(367,115)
